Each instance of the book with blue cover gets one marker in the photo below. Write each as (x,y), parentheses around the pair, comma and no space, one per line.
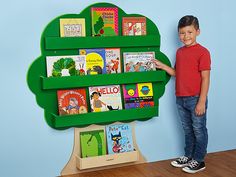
(119,138)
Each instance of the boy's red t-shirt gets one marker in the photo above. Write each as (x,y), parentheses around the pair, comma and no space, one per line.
(190,61)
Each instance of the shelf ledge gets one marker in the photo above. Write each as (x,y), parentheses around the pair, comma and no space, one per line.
(54,43)
(124,115)
(106,160)
(102,79)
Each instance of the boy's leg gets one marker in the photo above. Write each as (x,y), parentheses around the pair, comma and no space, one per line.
(200,131)
(185,117)
(201,138)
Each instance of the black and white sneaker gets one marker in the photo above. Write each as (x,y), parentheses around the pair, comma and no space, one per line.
(194,166)
(181,162)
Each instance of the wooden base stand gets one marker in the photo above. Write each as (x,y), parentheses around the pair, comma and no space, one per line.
(77,164)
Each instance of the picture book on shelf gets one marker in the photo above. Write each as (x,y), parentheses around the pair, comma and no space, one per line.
(92,143)
(119,138)
(72,65)
(104,21)
(72,27)
(133,26)
(95,60)
(72,101)
(113,62)
(138,61)
(105,98)
(138,95)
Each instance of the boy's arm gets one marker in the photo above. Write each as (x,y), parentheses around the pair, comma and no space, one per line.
(201,105)
(160,65)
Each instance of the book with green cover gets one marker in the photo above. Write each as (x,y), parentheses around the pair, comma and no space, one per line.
(92,143)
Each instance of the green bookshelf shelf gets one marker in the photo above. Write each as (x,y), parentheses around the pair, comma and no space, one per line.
(98,117)
(45,88)
(99,80)
(55,43)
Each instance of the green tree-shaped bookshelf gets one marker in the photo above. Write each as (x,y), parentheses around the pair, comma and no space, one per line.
(45,88)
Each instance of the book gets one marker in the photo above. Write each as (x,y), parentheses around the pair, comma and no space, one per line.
(113,62)
(105,98)
(104,21)
(95,60)
(72,27)
(72,101)
(59,66)
(119,138)
(133,26)
(138,61)
(92,143)
(138,95)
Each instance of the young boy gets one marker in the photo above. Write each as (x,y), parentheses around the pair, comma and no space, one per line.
(192,71)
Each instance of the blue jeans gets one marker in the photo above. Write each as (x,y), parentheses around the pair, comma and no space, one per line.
(195,131)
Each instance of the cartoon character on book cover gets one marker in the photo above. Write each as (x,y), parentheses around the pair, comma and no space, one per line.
(104,21)
(95,61)
(119,138)
(72,101)
(59,66)
(138,95)
(92,143)
(72,27)
(113,64)
(138,61)
(105,98)
(134,26)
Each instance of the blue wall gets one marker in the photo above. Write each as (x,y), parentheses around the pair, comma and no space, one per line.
(30,148)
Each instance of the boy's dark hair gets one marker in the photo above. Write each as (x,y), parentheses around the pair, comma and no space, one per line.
(187,21)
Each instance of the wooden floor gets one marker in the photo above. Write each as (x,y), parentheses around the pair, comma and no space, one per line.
(220,164)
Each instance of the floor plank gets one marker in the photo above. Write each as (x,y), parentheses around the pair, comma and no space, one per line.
(219,164)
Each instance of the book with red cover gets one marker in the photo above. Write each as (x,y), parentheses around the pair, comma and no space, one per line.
(134,26)
(104,21)
(72,101)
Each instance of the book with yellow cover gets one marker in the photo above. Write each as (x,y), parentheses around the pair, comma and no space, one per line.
(72,27)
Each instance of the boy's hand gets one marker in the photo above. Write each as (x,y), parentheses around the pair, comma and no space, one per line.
(200,109)
(158,64)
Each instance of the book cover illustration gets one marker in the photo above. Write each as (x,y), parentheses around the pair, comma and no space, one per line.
(105,98)
(138,95)
(133,26)
(119,138)
(95,60)
(72,27)
(72,101)
(104,21)
(113,63)
(92,143)
(59,66)
(138,61)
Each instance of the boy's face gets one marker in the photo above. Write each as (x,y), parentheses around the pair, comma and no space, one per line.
(188,35)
